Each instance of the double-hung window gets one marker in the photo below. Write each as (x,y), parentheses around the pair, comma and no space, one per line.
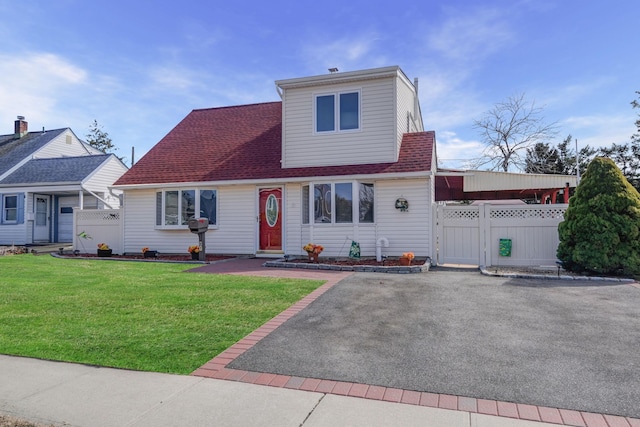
(337,203)
(10,208)
(174,208)
(337,112)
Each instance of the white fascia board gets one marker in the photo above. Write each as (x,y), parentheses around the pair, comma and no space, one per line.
(346,77)
(450,173)
(271,181)
(45,187)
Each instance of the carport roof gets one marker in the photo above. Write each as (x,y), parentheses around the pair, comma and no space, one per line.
(454,184)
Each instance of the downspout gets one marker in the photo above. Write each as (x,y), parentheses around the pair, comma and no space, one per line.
(382,241)
(116,196)
(97,197)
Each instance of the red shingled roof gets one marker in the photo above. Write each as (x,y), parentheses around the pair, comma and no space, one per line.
(245,142)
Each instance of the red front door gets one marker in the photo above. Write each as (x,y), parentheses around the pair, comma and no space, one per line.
(270,219)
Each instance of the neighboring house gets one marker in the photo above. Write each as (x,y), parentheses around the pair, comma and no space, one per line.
(44,175)
(338,160)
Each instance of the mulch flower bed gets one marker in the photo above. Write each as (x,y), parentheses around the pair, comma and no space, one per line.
(388,262)
(161,257)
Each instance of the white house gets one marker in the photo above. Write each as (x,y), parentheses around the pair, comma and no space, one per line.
(44,175)
(343,157)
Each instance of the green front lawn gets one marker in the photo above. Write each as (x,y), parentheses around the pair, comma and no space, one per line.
(142,316)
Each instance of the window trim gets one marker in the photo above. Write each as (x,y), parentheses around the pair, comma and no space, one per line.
(336,111)
(355,203)
(160,214)
(3,204)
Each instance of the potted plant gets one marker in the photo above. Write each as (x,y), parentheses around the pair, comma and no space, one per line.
(103,250)
(406,258)
(147,253)
(194,251)
(313,251)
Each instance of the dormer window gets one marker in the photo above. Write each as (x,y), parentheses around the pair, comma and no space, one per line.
(337,111)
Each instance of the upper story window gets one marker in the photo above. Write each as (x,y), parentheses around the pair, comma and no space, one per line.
(174,208)
(337,111)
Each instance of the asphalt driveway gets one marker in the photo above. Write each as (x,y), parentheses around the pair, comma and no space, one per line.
(562,344)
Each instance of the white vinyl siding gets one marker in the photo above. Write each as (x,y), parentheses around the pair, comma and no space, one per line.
(373,142)
(406,231)
(104,177)
(295,235)
(405,98)
(235,234)
(58,147)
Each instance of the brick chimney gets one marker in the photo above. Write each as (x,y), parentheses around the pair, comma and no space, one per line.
(21,128)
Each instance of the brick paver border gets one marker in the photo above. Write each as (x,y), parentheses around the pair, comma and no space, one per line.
(216,368)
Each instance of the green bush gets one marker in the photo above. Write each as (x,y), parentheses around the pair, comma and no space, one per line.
(600,233)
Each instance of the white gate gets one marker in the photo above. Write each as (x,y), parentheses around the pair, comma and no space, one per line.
(472,234)
(458,235)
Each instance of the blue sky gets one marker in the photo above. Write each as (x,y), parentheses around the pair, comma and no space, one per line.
(139,67)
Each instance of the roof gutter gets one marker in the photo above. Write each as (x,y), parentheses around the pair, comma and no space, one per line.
(344,77)
(41,184)
(451,173)
(395,175)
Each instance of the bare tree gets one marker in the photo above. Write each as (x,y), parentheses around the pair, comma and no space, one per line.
(508,130)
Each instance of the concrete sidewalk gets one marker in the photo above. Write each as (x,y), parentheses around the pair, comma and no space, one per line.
(79,395)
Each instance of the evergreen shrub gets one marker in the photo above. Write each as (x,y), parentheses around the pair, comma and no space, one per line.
(600,233)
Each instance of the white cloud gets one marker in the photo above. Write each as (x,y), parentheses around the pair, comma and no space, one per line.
(455,48)
(471,36)
(563,96)
(172,78)
(455,152)
(600,130)
(32,84)
(346,53)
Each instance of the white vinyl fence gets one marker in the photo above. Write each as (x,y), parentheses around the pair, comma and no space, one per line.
(97,226)
(473,234)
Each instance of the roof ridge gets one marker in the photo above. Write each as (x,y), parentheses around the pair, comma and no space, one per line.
(237,106)
(35,132)
(73,157)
